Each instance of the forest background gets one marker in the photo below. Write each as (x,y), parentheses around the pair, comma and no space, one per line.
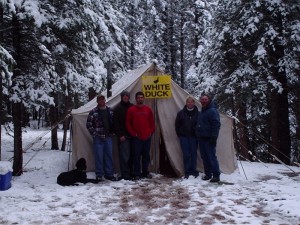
(56,55)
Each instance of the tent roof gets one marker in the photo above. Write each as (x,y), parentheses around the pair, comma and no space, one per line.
(129,79)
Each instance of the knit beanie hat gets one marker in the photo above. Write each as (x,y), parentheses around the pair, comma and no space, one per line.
(125,93)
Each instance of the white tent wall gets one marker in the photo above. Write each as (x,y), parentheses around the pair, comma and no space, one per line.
(165,111)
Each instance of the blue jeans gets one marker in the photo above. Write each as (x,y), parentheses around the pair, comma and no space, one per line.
(189,151)
(103,156)
(125,157)
(141,149)
(209,158)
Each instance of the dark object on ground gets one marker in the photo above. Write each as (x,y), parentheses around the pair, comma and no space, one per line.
(112,178)
(75,176)
(222,183)
(215,179)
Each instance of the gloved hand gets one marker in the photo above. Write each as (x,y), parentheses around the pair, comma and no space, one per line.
(213,141)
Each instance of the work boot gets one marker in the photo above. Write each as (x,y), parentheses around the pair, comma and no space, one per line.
(146,175)
(206,177)
(99,178)
(215,179)
(126,178)
(111,178)
(136,178)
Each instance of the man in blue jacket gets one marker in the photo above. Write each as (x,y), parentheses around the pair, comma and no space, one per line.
(207,131)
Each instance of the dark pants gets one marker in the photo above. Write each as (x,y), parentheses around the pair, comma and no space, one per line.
(141,150)
(125,158)
(189,151)
(209,158)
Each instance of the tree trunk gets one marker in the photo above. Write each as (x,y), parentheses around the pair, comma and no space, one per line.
(281,138)
(109,79)
(295,92)
(1,88)
(39,117)
(66,125)
(284,127)
(67,120)
(53,115)
(242,131)
(280,131)
(18,152)
(297,136)
(132,36)
(173,47)
(275,139)
(197,32)
(1,114)
(17,106)
(182,80)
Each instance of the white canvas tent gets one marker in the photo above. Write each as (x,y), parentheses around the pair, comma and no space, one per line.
(165,141)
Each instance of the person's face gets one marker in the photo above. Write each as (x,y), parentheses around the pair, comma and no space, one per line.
(190,104)
(101,102)
(139,99)
(204,100)
(125,98)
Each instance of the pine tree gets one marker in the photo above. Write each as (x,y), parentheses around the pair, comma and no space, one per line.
(27,81)
(246,61)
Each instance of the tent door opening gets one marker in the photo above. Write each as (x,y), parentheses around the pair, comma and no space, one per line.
(165,167)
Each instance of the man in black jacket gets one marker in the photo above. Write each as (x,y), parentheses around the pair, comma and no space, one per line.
(123,136)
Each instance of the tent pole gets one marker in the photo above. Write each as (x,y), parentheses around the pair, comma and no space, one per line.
(70,145)
(155,136)
(156,147)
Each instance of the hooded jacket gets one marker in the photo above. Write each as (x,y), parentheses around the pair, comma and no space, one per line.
(208,122)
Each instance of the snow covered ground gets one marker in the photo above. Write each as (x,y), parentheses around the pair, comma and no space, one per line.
(260,194)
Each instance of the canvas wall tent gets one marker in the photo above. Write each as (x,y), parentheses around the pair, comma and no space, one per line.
(165,141)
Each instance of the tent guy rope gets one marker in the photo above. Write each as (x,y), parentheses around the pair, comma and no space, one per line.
(36,140)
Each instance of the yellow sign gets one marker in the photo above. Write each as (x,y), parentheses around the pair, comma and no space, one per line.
(157,86)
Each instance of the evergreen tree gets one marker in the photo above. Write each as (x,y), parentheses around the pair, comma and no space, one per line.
(246,63)
(202,40)
(29,84)
(292,64)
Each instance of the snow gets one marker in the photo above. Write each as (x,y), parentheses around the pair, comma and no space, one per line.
(5,167)
(260,194)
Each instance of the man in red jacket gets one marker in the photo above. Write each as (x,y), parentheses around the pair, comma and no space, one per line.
(140,124)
